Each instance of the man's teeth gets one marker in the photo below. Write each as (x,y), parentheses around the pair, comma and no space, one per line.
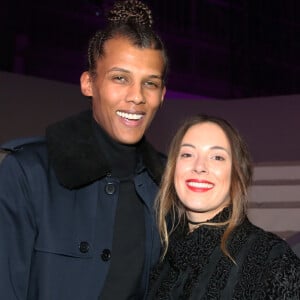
(129,116)
(200,185)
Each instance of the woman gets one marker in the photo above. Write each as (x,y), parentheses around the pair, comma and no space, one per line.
(211,250)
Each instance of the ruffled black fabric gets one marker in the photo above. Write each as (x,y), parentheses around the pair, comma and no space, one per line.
(195,267)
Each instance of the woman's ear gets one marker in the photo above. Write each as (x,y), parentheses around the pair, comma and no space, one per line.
(86,84)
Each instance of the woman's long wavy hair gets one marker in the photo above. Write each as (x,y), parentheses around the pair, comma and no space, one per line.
(171,212)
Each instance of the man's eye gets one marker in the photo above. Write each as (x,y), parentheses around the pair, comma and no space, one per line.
(152,84)
(119,78)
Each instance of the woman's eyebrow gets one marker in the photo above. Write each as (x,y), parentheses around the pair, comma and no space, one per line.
(211,148)
(188,145)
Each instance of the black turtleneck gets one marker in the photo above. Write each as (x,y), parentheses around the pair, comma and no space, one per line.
(123,280)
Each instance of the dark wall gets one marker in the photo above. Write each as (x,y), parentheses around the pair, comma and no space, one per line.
(269,125)
(224,49)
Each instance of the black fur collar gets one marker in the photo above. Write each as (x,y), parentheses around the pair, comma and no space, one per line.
(76,155)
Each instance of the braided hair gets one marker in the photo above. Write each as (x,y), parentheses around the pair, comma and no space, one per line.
(130,19)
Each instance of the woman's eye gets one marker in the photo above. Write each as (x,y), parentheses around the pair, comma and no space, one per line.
(185,155)
(218,157)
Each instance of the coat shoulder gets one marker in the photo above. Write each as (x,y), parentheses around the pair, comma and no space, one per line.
(24,150)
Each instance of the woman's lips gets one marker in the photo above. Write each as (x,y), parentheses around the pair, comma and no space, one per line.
(199,185)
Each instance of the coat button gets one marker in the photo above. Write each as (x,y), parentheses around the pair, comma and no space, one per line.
(84,247)
(110,188)
(106,255)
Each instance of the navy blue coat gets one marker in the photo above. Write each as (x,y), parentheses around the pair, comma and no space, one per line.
(57,209)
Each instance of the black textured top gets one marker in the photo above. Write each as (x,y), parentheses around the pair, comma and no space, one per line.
(195,267)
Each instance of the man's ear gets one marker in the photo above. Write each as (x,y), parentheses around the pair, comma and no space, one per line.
(86,84)
(163,95)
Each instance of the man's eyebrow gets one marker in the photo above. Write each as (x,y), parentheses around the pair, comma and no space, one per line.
(155,76)
(118,69)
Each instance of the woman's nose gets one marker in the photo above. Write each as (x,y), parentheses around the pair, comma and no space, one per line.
(200,166)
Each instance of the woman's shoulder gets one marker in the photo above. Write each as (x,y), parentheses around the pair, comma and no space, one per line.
(270,243)
(269,261)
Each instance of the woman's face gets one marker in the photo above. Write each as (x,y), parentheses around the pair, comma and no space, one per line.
(203,171)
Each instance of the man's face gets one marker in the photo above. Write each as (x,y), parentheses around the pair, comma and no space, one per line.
(127,89)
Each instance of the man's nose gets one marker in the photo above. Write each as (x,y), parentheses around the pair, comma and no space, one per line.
(135,94)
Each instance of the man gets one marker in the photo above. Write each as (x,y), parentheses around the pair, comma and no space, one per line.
(76,208)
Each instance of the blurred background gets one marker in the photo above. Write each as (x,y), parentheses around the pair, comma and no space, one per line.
(225,49)
(239,59)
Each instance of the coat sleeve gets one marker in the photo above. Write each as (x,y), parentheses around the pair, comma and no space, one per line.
(282,278)
(17,229)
